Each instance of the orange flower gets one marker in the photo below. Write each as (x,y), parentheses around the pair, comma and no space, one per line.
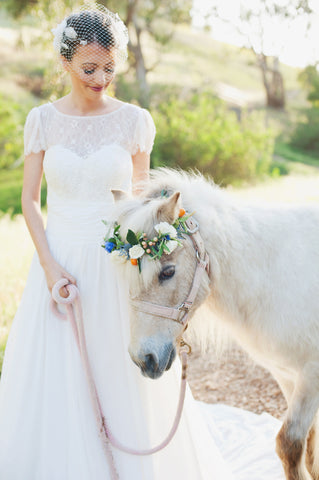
(134,261)
(181,212)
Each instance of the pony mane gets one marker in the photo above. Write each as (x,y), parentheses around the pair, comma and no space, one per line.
(198,194)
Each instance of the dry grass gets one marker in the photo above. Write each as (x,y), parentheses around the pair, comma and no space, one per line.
(15,256)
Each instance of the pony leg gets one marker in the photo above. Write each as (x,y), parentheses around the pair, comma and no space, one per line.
(312,456)
(291,441)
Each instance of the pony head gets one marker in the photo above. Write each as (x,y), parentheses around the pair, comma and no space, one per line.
(164,281)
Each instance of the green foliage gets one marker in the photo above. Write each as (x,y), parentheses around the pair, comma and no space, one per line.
(309,80)
(201,133)
(306,134)
(278,168)
(10,191)
(12,116)
(291,154)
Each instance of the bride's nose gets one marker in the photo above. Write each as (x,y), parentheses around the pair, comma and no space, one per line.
(100,78)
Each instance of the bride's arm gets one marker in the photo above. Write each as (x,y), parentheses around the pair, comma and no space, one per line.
(141,167)
(31,208)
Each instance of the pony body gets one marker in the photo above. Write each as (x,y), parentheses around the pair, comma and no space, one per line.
(263,285)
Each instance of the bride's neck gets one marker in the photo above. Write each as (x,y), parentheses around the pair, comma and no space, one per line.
(84,106)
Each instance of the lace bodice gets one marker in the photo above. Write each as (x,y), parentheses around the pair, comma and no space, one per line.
(129,126)
(86,156)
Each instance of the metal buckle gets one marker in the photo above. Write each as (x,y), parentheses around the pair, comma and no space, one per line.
(195,229)
(184,308)
(183,344)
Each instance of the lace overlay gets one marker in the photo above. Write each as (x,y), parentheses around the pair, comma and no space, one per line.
(86,156)
(129,126)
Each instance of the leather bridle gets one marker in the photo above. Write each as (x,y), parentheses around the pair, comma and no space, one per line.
(180,314)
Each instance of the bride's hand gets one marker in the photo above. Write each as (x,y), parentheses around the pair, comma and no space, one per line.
(54,272)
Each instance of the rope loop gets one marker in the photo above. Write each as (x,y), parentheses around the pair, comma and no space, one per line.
(72,290)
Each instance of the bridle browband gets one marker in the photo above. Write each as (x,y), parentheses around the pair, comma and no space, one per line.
(180,314)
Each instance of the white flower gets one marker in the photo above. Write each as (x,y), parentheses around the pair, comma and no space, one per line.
(70,33)
(136,251)
(58,35)
(165,228)
(171,245)
(120,34)
(117,257)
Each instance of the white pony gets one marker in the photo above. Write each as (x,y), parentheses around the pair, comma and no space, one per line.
(263,283)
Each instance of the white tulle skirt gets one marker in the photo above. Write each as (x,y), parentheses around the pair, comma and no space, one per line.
(47,427)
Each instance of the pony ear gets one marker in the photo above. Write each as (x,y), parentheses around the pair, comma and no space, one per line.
(119,195)
(169,208)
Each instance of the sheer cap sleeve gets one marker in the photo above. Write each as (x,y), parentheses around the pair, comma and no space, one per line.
(34,139)
(144,133)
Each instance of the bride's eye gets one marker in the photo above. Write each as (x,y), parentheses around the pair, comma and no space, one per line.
(89,72)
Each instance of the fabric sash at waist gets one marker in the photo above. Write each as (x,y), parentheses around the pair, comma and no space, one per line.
(78,224)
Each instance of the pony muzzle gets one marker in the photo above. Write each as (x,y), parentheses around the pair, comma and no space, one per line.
(154,361)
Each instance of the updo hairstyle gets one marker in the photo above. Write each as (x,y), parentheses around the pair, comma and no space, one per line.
(90,27)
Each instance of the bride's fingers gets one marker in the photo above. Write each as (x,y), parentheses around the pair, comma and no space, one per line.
(70,278)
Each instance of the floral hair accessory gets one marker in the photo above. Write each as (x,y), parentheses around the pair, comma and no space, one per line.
(58,35)
(137,244)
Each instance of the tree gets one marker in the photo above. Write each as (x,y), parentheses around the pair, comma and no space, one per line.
(255,24)
(151,20)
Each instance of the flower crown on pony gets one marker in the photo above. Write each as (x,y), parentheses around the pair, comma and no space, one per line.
(137,244)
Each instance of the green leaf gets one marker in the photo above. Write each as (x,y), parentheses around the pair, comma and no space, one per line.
(131,237)
(154,251)
(166,248)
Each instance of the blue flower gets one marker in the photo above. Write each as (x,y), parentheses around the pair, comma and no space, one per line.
(167,237)
(109,246)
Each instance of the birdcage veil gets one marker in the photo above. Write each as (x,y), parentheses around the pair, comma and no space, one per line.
(97,28)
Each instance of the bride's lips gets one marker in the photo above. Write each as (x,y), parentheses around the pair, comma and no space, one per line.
(97,89)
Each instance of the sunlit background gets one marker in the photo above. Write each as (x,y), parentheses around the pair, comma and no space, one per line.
(294,40)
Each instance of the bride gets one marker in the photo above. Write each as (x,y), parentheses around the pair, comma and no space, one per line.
(87,143)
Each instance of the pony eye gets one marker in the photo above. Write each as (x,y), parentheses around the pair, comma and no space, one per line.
(167,272)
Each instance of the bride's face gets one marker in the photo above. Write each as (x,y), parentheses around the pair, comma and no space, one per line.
(91,69)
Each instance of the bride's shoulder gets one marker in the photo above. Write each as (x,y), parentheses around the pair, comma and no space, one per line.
(134,111)
(38,114)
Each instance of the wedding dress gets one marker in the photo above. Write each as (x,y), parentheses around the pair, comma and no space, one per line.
(47,427)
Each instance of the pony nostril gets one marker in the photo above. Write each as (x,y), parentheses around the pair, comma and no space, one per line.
(151,362)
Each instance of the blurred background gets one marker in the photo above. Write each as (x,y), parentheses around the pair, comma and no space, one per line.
(233,87)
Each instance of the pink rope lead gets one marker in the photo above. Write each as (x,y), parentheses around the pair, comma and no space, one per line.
(74,314)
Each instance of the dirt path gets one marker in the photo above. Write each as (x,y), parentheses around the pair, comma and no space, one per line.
(234,380)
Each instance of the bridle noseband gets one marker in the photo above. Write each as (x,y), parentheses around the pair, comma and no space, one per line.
(180,314)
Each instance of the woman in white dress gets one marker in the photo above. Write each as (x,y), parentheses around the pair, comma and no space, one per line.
(87,143)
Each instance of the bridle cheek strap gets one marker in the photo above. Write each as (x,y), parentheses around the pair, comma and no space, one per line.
(180,314)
